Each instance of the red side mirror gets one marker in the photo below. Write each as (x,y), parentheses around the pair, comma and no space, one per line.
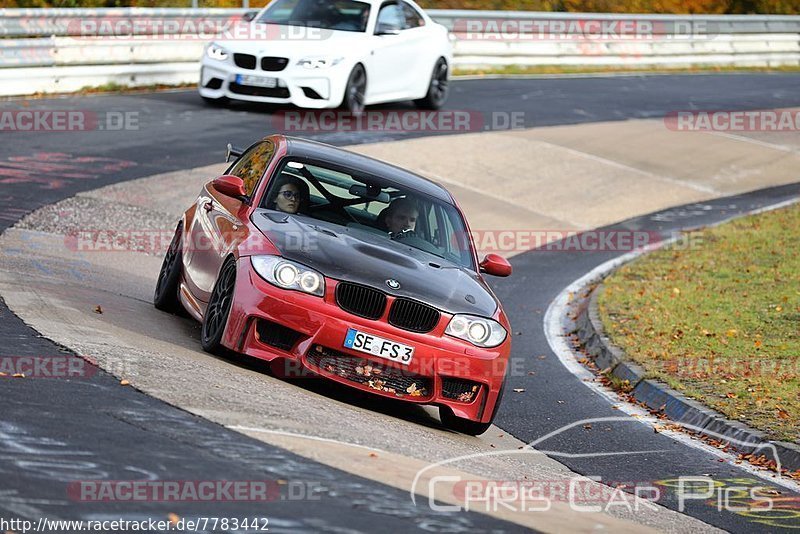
(496,265)
(230,186)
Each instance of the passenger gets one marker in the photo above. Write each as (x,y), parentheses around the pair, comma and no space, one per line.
(290,195)
(401,216)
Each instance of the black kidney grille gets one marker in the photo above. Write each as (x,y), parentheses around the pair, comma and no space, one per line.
(274,64)
(461,390)
(360,300)
(414,316)
(245,61)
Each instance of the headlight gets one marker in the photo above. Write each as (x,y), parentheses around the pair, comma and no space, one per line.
(479,331)
(319,62)
(214,51)
(289,275)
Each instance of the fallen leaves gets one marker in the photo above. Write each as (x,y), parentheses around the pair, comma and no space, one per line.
(98,309)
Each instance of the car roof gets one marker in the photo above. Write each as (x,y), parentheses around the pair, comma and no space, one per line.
(364,165)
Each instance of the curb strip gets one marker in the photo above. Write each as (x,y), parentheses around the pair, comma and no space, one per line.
(659,397)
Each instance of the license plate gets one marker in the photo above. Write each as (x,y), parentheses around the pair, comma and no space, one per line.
(256,81)
(377,346)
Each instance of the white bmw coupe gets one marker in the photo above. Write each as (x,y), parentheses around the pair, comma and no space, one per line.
(331,53)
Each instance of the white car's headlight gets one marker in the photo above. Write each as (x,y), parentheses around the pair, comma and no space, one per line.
(479,331)
(319,62)
(214,51)
(289,275)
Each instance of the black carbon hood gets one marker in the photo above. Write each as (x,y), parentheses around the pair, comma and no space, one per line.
(363,257)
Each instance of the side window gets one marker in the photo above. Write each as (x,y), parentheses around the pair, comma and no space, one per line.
(390,17)
(412,16)
(251,166)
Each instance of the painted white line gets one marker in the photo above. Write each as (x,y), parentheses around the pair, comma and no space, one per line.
(757,142)
(303,436)
(556,337)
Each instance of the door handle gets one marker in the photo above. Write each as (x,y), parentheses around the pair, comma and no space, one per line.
(208,206)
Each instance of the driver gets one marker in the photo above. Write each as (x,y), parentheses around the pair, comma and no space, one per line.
(401,216)
(290,195)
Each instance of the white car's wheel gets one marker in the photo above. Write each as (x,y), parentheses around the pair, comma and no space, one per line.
(439,87)
(355,91)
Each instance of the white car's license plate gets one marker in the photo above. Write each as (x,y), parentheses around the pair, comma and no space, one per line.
(256,81)
(377,346)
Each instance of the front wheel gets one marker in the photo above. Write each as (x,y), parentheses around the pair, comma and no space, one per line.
(166,294)
(219,308)
(438,88)
(356,91)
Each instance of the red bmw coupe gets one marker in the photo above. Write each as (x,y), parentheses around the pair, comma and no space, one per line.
(356,270)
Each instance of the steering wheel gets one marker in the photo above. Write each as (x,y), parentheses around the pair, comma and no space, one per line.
(404,234)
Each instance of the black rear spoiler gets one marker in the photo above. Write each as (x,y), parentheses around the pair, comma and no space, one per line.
(232,153)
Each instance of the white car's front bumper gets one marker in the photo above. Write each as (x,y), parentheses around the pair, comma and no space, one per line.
(315,89)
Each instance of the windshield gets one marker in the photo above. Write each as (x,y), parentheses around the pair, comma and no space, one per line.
(368,205)
(344,15)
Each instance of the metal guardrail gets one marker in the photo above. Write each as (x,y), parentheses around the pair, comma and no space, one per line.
(60,50)
(717,24)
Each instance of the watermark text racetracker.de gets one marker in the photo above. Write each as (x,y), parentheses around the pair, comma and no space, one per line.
(397,121)
(777,120)
(199,29)
(44,120)
(63,366)
(501,241)
(609,240)
(193,490)
(618,29)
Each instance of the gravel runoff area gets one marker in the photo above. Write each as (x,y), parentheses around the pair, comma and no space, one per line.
(716,317)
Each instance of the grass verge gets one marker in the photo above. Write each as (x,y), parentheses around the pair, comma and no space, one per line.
(719,320)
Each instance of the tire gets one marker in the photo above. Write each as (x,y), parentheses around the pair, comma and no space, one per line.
(215,102)
(467,426)
(215,320)
(438,88)
(166,297)
(355,92)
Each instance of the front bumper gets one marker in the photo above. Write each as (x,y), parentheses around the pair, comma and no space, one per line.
(314,89)
(441,369)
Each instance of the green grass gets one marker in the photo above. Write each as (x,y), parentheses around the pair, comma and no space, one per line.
(558,69)
(720,321)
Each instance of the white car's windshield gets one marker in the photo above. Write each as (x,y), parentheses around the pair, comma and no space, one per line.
(344,15)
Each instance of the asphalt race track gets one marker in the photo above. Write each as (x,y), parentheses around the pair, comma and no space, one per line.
(55,431)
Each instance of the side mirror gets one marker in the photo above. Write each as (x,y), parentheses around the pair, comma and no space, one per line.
(249,16)
(495,265)
(387,29)
(230,186)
